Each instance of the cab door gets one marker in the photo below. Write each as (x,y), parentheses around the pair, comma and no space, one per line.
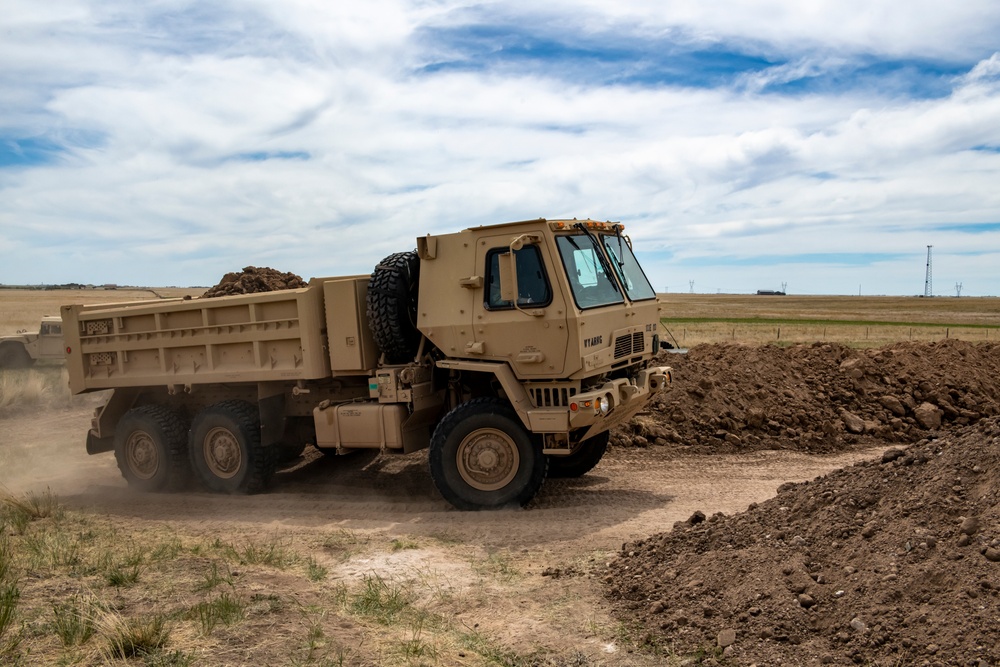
(532,334)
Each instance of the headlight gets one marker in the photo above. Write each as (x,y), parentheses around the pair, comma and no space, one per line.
(604,405)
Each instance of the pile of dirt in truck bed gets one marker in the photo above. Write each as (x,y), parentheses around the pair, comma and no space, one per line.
(894,561)
(254,279)
(819,397)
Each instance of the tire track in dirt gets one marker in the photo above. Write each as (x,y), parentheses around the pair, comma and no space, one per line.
(632,492)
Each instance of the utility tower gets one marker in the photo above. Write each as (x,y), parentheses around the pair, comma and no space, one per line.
(958,289)
(928,281)
(691,283)
(783,286)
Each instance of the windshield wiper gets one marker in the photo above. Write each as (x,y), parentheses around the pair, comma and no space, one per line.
(618,257)
(600,256)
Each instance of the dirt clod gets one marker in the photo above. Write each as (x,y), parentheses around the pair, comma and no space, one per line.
(254,279)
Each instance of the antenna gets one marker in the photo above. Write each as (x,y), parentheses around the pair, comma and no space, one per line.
(928,281)
(691,282)
(958,289)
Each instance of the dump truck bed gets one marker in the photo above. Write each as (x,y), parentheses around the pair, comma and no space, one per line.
(263,337)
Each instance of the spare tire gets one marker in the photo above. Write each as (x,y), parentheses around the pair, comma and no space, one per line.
(392,306)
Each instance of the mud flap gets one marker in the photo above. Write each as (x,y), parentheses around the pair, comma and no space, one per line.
(96,445)
(272,419)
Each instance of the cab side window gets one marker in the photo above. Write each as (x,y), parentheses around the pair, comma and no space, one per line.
(533,290)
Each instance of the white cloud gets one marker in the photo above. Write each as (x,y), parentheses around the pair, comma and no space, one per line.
(300,135)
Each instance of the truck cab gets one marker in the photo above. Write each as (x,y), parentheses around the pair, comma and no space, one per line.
(555,319)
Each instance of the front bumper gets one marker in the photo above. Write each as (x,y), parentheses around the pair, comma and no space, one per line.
(623,398)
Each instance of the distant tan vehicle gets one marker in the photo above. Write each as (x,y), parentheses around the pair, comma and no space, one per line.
(509,350)
(24,349)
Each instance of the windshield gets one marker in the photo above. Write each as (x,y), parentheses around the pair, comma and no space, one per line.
(591,286)
(627,267)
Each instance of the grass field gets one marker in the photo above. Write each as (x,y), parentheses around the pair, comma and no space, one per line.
(22,309)
(858,321)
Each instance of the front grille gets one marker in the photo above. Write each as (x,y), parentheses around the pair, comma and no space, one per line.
(552,397)
(630,344)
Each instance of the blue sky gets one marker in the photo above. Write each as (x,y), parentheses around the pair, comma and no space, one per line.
(823,145)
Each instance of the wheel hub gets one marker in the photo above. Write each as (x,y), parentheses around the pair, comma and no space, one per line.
(222,452)
(141,455)
(488,459)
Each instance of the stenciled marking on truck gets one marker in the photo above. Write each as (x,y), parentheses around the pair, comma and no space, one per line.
(593,341)
(350,413)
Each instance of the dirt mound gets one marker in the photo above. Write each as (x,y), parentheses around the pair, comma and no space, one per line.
(889,562)
(254,279)
(819,397)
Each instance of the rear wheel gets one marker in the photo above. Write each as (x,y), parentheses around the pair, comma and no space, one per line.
(481,457)
(226,452)
(151,449)
(583,458)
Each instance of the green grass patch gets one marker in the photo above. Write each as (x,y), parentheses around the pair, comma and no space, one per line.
(380,600)
(73,621)
(224,610)
(314,570)
(215,577)
(271,554)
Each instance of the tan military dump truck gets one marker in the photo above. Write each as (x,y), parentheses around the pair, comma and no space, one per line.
(509,350)
(25,348)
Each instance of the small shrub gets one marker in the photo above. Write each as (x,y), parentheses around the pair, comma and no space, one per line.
(73,621)
(32,506)
(130,638)
(223,609)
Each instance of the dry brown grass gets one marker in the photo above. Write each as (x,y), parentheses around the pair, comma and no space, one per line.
(858,321)
(22,309)
(43,386)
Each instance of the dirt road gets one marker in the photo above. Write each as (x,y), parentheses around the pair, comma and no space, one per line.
(530,579)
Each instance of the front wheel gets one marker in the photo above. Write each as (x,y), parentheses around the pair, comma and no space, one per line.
(15,355)
(481,457)
(583,458)
(226,452)
(151,448)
